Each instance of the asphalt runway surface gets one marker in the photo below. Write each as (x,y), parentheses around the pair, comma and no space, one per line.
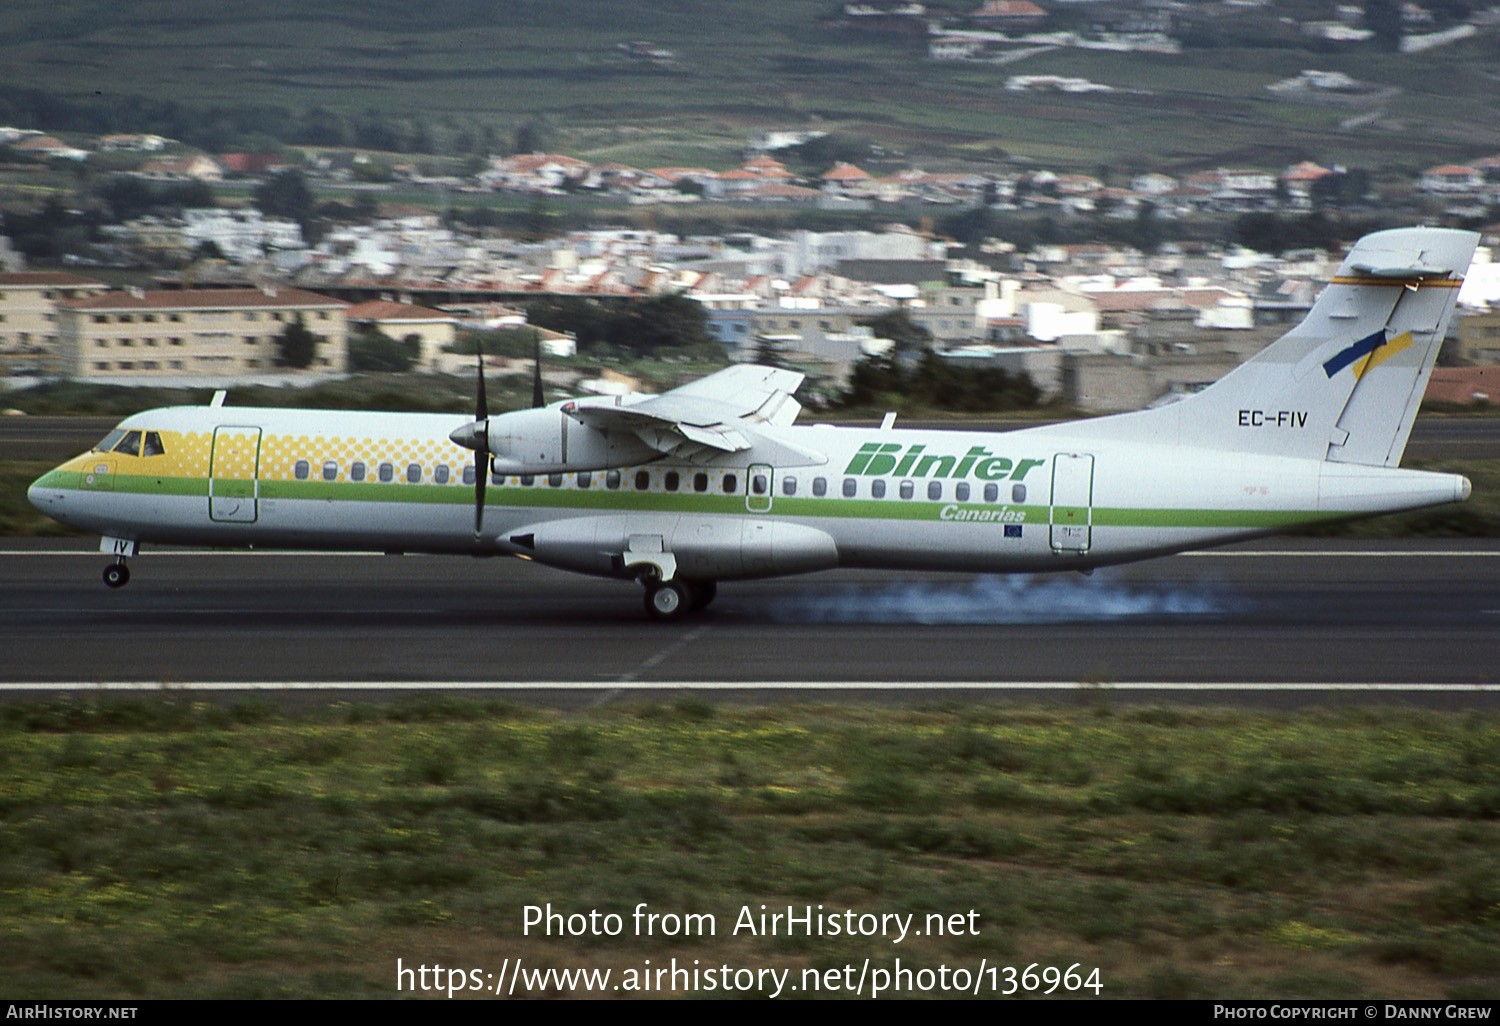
(1288,621)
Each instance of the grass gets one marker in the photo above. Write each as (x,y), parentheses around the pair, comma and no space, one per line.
(160,847)
(738,68)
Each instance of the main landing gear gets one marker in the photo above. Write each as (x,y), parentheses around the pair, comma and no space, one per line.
(669,601)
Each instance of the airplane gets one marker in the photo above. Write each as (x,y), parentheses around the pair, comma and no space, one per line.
(713,481)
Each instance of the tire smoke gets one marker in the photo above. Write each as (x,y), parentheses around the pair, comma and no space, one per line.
(1017,599)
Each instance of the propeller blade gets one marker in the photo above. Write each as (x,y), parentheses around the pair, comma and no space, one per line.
(537,399)
(482,441)
(481,404)
(481,475)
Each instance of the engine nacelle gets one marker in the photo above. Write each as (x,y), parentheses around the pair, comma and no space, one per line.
(548,441)
(700,546)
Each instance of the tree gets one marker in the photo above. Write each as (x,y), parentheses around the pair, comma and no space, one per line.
(296,345)
(909,336)
(661,322)
(370,349)
(286,195)
(1383,17)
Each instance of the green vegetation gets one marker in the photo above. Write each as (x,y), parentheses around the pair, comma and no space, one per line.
(462,80)
(933,382)
(161,847)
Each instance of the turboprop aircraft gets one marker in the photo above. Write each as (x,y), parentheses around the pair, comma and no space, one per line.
(714,481)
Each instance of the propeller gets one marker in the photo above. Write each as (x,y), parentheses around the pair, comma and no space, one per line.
(482,440)
(537,399)
(476,436)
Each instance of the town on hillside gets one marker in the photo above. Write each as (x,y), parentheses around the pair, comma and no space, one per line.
(241,275)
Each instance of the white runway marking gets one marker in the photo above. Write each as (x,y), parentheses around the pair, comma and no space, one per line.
(665,654)
(715,685)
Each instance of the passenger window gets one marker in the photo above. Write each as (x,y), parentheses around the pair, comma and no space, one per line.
(758,484)
(934,490)
(961,491)
(301,470)
(907,489)
(789,485)
(330,470)
(1018,493)
(554,480)
(731,484)
(356,471)
(877,488)
(851,487)
(584,479)
(672,480)
(700,482)
(387,473)
(991,492)
(469,475)
(440,474)
(642,480)
(152,446)
(820,486)
(414,473)
(130,445)
(612,479)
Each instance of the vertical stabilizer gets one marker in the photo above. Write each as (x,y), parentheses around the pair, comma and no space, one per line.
(1345,384)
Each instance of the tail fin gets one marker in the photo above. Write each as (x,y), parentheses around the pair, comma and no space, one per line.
(1345,384)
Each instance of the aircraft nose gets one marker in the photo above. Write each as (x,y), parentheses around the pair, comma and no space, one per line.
(42,495)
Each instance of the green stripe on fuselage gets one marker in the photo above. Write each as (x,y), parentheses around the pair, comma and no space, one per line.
(626,501)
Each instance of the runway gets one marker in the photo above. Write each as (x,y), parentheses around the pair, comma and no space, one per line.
(1284,622)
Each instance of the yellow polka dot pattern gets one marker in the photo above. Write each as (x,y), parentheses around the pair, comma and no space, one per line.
(279,455)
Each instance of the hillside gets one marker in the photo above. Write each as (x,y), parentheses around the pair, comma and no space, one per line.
(450,76)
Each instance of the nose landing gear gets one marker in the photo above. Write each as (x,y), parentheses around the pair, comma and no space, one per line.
(117,575)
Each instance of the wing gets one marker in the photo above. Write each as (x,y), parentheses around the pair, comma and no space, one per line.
(716,414)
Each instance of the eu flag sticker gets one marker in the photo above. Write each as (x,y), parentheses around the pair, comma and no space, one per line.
(1012,530)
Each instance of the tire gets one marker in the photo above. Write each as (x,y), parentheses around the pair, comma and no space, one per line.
(669,602)
(117,575)
(703,593)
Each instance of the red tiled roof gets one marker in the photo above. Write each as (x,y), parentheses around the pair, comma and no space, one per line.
(1464,385)
(387,310)
(203,299)
(60,278)
(845,173)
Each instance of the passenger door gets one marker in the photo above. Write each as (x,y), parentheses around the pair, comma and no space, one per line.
(1072,515)
(234,475)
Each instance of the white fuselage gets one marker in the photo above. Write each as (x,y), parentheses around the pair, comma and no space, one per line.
(1043,498)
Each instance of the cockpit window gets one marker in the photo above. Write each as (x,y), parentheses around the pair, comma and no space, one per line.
(130,445)
(152,445)
(109,440)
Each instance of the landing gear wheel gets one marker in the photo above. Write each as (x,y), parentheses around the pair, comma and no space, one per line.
(668,602)
(703,593)
(117,575)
